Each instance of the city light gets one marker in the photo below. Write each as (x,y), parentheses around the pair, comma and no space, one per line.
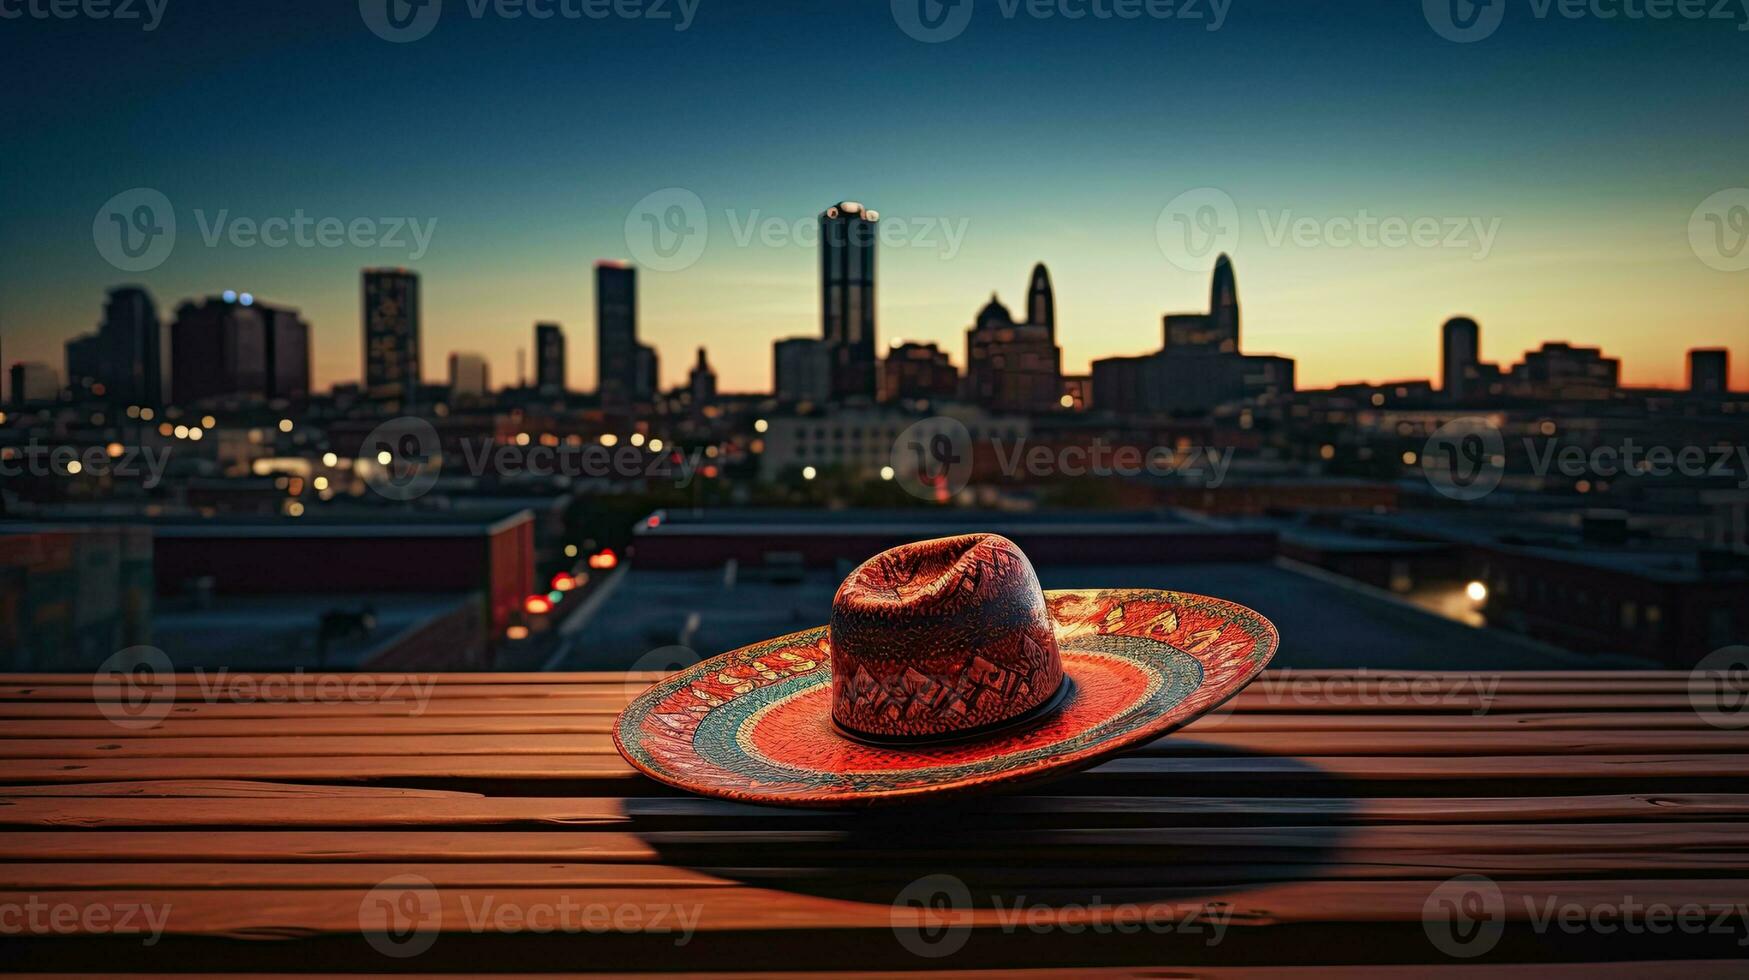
(761,425)
(570,551)
(208,422)
(563,582)
(886,472)
(808,472)
(285,425)
(609,439)
(329,459)
(655,445)
(1477,591)
(1067,401)
(637,438)
(537,605)
(385,457)
(73,467)
(603,559)
(516,633)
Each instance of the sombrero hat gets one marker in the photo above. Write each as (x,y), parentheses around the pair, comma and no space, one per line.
(945,670)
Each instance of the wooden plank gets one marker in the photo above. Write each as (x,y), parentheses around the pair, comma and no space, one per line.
(1581,742)
(228,788)
(559,704)
(364,808)
(279,913)
(180,726)
(1640,847)
(611,772)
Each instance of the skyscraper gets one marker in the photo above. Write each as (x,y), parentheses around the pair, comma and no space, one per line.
(86,369)
(1224,305)
(468,376)
(549,359)
(649,374)
(617,357)
(1011,367)
(391,337)
(132,348)
(800,370)
(1709,371)
(218,349)
(847,298)
(702,382)
(32,382)
(1041,302)
(918,371)
(1460,353)
(287,339)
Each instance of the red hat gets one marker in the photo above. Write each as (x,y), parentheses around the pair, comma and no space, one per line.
(945,670)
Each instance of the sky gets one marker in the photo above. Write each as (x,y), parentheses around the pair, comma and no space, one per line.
(1571,178)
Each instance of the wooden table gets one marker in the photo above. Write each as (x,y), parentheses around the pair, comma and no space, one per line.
(483,822)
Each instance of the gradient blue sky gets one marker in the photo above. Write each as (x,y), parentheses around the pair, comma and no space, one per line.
(528,142)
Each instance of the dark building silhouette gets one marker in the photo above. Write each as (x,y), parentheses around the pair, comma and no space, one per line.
(918,371)
(549,358)
(801,371)
(1199,365)
(847,298)
(1224,304)
(287,339)
(702,383)
(128,358)
(1460,354)
(391,337)
(1041,302)
(1709,371)
(619,362)
(649,374)
(86,369)
(1011,367)
(1561,371)
(33,383)
(1214,332)
(218,349)
(469,376)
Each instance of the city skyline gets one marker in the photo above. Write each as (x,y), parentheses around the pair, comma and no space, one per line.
(1065,147)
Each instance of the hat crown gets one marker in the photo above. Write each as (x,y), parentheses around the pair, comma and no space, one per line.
(941,638)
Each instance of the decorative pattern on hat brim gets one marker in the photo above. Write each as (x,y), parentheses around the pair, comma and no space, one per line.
(755,725)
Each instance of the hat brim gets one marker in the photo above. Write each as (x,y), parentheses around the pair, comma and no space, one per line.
(754,725)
